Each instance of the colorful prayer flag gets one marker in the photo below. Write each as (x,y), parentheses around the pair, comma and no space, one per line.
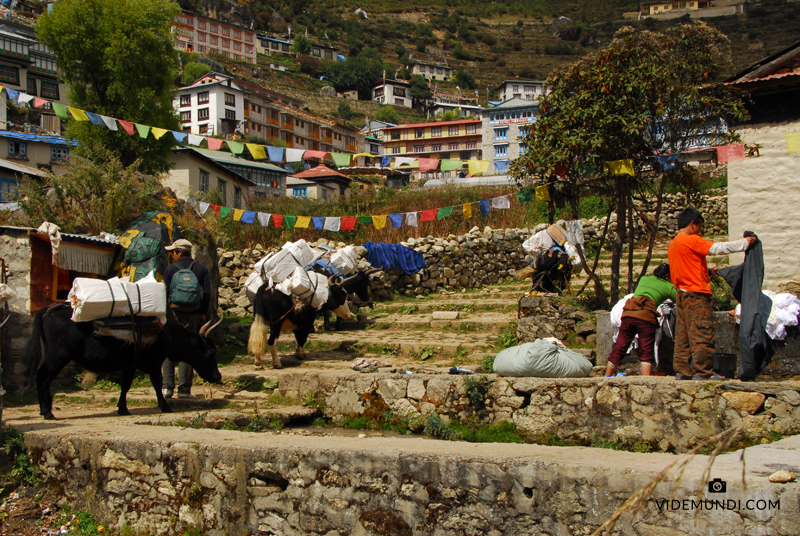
(290,221)
(396,220)
(302,222)
(542,193)
(348,223)
(143,130)
(224,211)
(476,167)
(341,159)
(365,220)
(158,132)
(792,143)
(237,214)
(277,220)
(379,221)
(411,219)
(263,219)
(248,217)
(236,147)
(444,212)
(333,224)
(484,207)
(257,151)
(429,215)
(60,109)
(501,202)
(319,221)
(214,144)
(621,167)
(78,114)
(127,126)
(216,208)
(467,210)
(730,153)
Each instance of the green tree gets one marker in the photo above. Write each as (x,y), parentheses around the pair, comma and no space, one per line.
(399,49)
(387,114)
(118,58)
(359,73)
(194,70)
(420,92)
(647,93)
(301,45)
(344,111)
(421,47)
(464,79)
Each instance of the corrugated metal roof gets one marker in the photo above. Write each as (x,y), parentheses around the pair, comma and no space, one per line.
(52,140)
(229,158)
(19,168)
(68,237)
(763,78)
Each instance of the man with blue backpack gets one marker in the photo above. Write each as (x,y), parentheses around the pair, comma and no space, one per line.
(188,294)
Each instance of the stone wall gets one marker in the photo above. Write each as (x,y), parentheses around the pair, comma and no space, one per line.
(217,482)
(15,248)
(667,415)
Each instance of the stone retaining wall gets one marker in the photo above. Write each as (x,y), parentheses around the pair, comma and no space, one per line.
(667,415)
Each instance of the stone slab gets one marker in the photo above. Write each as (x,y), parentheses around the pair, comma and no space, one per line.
(445,315)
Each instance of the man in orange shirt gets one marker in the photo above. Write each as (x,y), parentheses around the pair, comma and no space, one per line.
(689,272)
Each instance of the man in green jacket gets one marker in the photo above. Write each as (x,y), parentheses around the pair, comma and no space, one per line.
(640,317)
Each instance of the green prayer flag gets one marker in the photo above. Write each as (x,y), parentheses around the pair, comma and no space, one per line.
(224,211)
(236,147)
(143,130)
(290,221)
(526,196)
(450,164)
(366,220)
(341,159)
(444,212)
(61,110)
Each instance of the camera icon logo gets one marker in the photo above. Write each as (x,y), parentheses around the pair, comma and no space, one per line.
(717,486)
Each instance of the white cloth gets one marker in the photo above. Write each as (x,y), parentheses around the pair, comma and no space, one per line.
(538,242)
(616,321)
(110,122)
(294,155)
(501,202)
(203,207)
(403,161)
(263,219)
(52,231)
(723,248)
(24,98)
(332,223)
(411,219)
(195,140)
(574,231)
(784,314)
(572,253)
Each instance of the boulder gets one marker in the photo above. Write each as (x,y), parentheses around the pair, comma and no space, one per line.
(747,402)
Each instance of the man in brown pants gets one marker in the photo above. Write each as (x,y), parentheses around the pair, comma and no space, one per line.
(694,339)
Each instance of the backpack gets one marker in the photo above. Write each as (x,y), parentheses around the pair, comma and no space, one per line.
(184,289)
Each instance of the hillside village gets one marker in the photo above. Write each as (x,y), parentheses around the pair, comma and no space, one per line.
(411,240)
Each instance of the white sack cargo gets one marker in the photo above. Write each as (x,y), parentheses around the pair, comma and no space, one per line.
(346,260)
(541,359)
(92,299)
(282,264)
(251,286)
(308,287)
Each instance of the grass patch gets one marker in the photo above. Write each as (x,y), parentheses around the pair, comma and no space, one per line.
(487,364)
(387,421)
(261,423)
(314,400)
(409,309)
(508,336)
(22,470)
(476,388)
(278,400)
(476,432)
(459,356)
(427,352)
(463,327)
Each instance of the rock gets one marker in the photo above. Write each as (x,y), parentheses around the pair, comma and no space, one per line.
(585,328)
(328,91)
(781,477)
(445,315)
(747,402)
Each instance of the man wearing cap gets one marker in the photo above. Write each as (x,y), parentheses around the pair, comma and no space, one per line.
(191,317)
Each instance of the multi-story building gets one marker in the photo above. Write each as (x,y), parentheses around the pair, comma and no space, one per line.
(223,103)
(28,66)
(47,153)
(668,7)
(433,71)
(390,91)
(374,128)
(503,128)
(271,45)
(522,89)
(458,140)
(204,35)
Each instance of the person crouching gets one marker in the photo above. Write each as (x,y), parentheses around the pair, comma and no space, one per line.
(640,317)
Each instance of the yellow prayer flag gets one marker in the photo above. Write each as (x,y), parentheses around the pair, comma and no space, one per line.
(237,213)
(467,210)
(257,151)
(302,222)
(621,167)
(379,221)
(792,143)
(158,132)
(478,167)
(78,114)
(542,193)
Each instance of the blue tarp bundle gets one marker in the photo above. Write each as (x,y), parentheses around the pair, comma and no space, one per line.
(394,257)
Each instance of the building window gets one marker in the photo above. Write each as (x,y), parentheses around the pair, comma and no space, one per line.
(396,150)
(436,132)
(8,189)
(201,49)
(439,70)
(523,149)
(453,130)
(50,89)
(201,37)
(59,155)
(316,52)
(186,117)
(419,133)
(501,167)
(230,100)
(9,74)
(453,146)
(201,24)
(31,85)
(230,114)
(214,40)
(226,30)
(237,197)
(472,129)
(248,37)
(18,150)
(399,102)
(471,145)
(203,180)
(222,186)
(515,88)
(202,97)
(202,114)
(186,100)
(237,34)
(501,133)
(465,155)
(300,192)
(248,49)
(324,193)
(395,134)
(398,91)
(329,54)
(226,43)
(500,150)
(419,148)
(436,148)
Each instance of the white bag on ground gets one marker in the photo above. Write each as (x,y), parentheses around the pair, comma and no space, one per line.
(346,260)
(92,299)
(281,264)
(541,359)
(308,287)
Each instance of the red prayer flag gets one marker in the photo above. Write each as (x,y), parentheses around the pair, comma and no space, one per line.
(428,164)
(348,223)
(429,215)
(277,219)
(127,126)
(730,153)
(215,145)
(215,208)
(38,103)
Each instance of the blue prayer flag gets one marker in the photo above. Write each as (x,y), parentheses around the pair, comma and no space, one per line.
(396,220)
(319,221)
(249,216)
(485,207)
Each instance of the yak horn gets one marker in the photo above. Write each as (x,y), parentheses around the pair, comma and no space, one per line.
(331,281)
(343,281)
(372,271)
(207,333)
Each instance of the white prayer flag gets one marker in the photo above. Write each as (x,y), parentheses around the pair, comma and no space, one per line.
(203,207)
(24,98)
(332,224)
(294,155)
(501,202)
(411,219)
(195,140)
(263,219)
(110,122)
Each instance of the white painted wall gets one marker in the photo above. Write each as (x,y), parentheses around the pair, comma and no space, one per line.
(764,197)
